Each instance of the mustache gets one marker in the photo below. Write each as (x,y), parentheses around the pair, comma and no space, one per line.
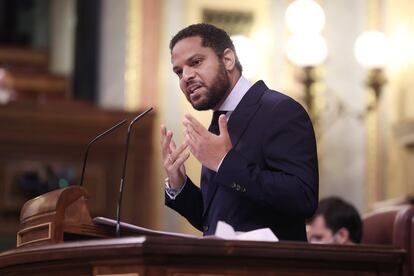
(192,82)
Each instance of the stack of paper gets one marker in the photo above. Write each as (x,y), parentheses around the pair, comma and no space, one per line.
(225,231)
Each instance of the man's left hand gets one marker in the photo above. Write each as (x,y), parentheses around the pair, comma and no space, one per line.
(208,148)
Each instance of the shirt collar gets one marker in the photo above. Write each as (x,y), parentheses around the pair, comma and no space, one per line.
(236,94)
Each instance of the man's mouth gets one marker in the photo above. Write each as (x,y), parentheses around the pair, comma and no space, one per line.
(193,88)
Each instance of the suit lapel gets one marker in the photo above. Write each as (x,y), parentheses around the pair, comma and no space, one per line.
(241,116)
(237,124)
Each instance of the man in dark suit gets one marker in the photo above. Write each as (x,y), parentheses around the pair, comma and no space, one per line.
(259,158)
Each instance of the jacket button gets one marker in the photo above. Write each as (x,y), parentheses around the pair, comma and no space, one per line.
(205,228)
(238,188)
(233,185)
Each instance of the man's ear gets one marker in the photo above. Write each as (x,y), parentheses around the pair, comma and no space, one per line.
(342,236)
(229,59)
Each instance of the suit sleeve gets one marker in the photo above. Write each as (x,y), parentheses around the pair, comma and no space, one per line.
(288,182)
(188,203)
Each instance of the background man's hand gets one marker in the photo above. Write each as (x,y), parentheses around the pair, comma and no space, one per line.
(208,148)
(173,159)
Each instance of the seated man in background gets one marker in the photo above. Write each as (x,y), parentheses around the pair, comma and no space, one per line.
(335,221)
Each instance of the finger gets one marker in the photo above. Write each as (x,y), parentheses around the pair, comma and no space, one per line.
(194,122)
(191,144)
(180,161)
(187,124)
(223,125)
(163,130)
(176,154)
(173,146)
(197,126)
(193,135)
(166,142)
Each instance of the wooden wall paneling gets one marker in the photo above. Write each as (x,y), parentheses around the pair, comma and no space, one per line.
(33,137)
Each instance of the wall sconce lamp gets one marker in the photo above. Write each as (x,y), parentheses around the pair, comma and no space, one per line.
(307,52)
(306,48)
(373,51)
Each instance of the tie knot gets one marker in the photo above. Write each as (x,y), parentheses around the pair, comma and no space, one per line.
(216,114)
(214,126)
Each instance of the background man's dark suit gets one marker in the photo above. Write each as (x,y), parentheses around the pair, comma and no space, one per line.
(268,179)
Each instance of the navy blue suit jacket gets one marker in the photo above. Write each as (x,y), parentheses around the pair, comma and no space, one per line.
(268,179)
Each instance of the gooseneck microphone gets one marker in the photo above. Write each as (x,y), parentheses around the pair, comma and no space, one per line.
(121,185)
(93,141)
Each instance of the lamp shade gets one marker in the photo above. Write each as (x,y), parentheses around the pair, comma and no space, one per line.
(305,17)
(373,49)
(306,50)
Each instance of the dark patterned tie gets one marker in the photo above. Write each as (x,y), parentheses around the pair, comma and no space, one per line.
(214,125)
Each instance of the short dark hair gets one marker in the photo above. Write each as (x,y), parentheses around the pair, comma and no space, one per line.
(338,213)
(211,36)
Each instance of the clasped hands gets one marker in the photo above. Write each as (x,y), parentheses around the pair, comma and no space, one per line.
(208,148)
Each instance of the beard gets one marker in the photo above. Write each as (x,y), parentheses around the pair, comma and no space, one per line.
(216,92)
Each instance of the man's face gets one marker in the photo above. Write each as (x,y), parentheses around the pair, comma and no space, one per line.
(202,75)
(319,233)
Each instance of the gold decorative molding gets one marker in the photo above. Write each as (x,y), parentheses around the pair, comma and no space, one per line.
(376,186)
(133,55)
(234,22)
(372,173)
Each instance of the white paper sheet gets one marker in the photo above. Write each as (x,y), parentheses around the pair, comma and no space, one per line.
(226,231)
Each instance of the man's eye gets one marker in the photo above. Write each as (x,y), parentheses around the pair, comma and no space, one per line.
(197,62)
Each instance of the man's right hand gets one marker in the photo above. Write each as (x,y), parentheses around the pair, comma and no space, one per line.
(173,159)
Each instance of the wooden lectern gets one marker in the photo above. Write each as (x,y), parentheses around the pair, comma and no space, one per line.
(63,215)
(58,216)
(187,257)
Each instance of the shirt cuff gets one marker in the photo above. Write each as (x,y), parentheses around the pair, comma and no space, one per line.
(221,162)
(173,193)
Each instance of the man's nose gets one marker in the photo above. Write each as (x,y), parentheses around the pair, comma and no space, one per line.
(188,74)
